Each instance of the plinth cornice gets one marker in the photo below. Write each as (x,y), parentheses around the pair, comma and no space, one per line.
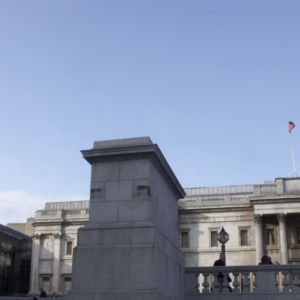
(134,152)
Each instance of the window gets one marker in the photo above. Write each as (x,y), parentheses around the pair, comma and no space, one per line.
(67,284)
(46,284)
(244,238)
(270,237)
(184,239)
(214,238)
(69,250)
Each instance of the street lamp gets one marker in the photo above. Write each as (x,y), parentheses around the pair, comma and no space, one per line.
(223,238)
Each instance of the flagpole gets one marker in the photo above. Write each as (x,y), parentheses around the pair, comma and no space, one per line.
(295,174)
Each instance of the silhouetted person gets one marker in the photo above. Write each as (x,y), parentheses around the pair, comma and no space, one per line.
(221,263)
(53,295)
(43,293)
(265,260)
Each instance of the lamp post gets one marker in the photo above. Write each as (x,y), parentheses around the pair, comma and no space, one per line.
(223,238)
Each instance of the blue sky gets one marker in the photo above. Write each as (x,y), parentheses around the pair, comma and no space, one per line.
(213,83)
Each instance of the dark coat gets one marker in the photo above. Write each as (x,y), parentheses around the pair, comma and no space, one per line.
(43,294)
(219,263)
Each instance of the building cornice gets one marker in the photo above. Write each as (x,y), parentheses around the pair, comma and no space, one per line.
(52,222)
(273,201)
(215,210)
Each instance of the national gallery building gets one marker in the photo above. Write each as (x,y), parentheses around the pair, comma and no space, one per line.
(260,219)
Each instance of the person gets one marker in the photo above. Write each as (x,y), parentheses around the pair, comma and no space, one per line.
(265,260)
(221,263)
(270,260)
(43,293)
(53,295)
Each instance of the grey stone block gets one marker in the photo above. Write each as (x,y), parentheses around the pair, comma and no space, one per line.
(119,190)
(158,220)
(143,267)
(144,295)
(160,271)
(162,205)
(168,247)
(111,295)
(104,212)
(159,239)
(121,268)
(112,191)
(143,189)
(89,237)
(97,192)
(123,142)
(79,295)
(121,236)
(158,180)
(166,297)
(98,272)
(104,263)
(135,169)
(174,278)
(135,211)
(155,197)
(126,190)
(105,171)
(143,236)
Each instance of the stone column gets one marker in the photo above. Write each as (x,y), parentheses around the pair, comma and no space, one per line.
(56,262)
(35,258)
(129,249)
(259,237)
(283,242)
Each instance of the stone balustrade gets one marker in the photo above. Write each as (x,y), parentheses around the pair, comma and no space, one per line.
(235,189)
(264,189)
(248,282)
(22,298)
(213,200)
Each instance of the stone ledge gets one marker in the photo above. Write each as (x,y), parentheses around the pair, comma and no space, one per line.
(123,142)
(136,152)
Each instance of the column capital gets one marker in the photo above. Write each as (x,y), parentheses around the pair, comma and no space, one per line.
(57,235)
(35,236)
(257,219)
(281,218)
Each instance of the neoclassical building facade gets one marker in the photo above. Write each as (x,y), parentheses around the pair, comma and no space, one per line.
(260,219)
(55,236)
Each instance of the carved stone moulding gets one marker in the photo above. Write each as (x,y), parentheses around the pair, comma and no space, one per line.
(281,218)
(257,219)
(35,236)
(57,235)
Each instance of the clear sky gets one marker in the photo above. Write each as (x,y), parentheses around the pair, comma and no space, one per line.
(213,83)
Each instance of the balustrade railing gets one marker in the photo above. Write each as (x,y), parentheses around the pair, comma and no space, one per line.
(234,189)
(243,279)
(268,188)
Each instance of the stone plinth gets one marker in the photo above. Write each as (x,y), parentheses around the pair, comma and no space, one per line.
(129,248)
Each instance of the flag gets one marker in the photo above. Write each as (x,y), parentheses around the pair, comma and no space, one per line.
(291,126)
